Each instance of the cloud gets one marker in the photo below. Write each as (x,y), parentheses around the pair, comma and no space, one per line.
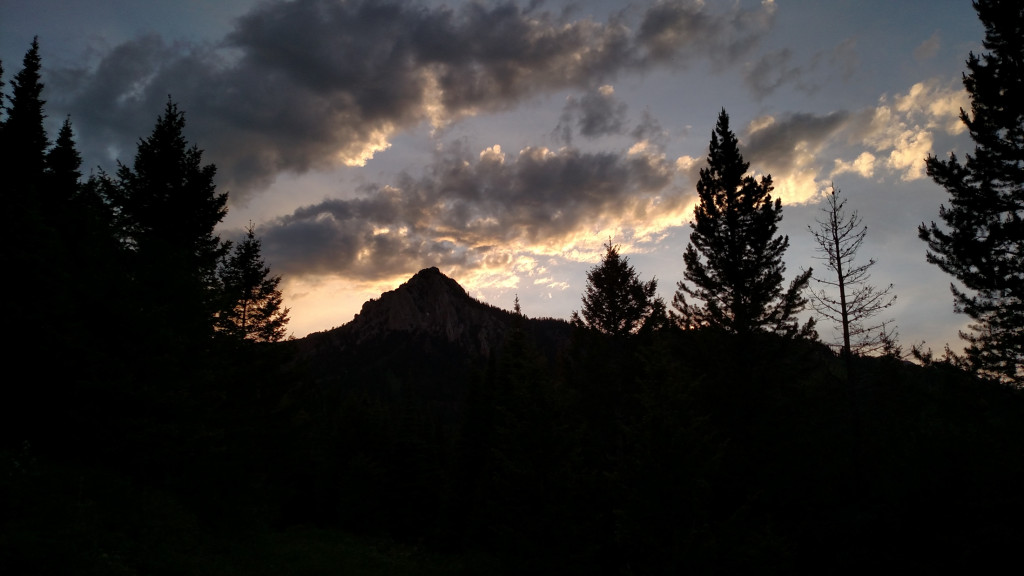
(863,166)
(676,31)
(463,207)
(903,129)
(311,84)
(650,130)
(770,72)
(790,149)
(596,113)
(804,152)
(929,48)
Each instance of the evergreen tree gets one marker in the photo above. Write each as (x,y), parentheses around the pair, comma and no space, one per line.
(63,166)
(24,136)
(616,302)
(839,237)
(26,241)
(734,258)
(982,243)
(166,207)
(252,308)
(3,96)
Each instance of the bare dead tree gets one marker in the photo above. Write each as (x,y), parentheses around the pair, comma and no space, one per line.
(839,237)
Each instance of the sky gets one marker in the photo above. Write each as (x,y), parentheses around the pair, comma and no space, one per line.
(507,142)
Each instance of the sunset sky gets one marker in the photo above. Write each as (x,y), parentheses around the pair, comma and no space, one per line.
(506,142)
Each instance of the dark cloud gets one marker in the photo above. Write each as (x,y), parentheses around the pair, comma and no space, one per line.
(596,113)
(676,31)
(650,130)
(464,204)
(770,72)
(305,84)
(775,146)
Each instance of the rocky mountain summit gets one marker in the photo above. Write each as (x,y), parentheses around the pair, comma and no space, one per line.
(431,304)
(428,306)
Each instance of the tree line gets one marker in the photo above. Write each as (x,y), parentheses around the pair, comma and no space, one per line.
(117,276)
(733,278)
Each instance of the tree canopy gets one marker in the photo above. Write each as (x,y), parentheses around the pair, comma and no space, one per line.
(734,264)
(252,308)
(167,206)
(616,302)
(982,241)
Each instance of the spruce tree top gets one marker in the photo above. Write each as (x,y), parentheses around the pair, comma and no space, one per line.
(25,140)
(616,302)
(734,261)
(169,196)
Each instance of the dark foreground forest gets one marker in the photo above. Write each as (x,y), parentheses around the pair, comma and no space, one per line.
(550,449)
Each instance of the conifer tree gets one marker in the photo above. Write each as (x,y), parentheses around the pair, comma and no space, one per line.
(63,166)
(24,136)
(252,308)
(982,242)
(616,302)
(734,258)
(26,240)
(3,96)
(166,207)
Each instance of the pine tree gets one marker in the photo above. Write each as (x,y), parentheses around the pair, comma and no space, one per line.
(616,302)
(252,308)
(63,166)
(839,238)
(24,136)
(734,258)
(166,207)
(26,240)
(982,242)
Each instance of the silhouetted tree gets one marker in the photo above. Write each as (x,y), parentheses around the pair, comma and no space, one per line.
(24,136)
(63,166)
(734,258)
(616,302)
(3,97)
(166,207)
(982,244)
(252,308)
(839,237)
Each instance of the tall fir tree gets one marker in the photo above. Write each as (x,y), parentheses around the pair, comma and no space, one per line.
(734,259)
(25,246)
(26,240)
(982,242)
(166,207)
(252,307)
(24,136)
(63,167)
(616,302)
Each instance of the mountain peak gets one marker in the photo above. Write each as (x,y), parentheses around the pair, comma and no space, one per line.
(431,304)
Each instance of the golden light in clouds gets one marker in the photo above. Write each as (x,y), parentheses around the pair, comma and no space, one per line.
(361,151)
(863,166)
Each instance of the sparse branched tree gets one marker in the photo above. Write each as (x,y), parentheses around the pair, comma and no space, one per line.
(846,296)
(616,302)
(253,307)
(734,258)
(982,242)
